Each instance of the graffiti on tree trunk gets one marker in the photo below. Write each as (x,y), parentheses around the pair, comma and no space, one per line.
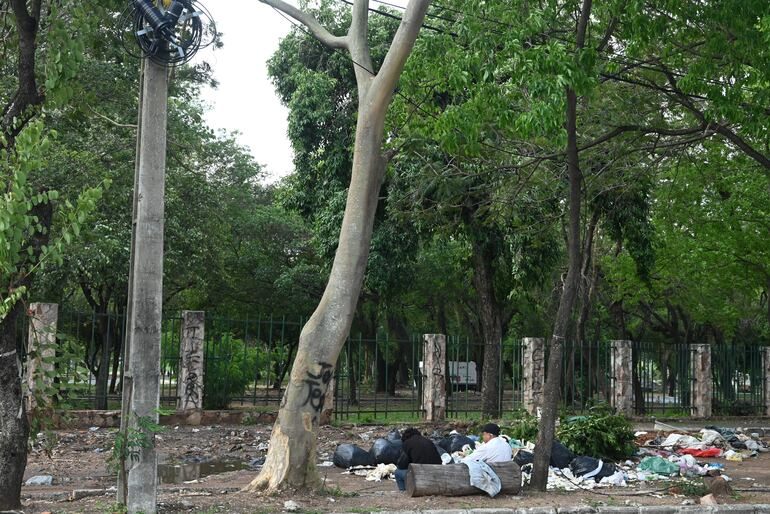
(317,386)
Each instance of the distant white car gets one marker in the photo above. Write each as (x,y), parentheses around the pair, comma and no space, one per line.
(461,374)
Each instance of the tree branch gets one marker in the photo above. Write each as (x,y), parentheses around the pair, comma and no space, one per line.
(323,35)
(388,75)
(358,43)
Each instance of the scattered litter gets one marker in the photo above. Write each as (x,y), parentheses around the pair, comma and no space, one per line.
(659,466)
(351,455)
(326,464)
(455,442)
(617,479)
(40,480)
(702,454)
(290,506)
(380,472)
(255,463)
(386,451)
(360,471)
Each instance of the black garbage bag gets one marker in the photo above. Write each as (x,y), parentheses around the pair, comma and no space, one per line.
(441,451)
(588,465)
(724,432)
(385,452)
(394,436)
(524,457)
(455,443)
(347,455)
(561,456)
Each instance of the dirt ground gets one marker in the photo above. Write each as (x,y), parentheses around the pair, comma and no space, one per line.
(78,462)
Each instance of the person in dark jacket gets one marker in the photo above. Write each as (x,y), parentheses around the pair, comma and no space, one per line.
(416,450)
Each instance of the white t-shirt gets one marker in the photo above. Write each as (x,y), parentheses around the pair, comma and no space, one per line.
(496,450)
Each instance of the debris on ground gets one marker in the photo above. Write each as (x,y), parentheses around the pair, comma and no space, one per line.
(663,456)
(40,480)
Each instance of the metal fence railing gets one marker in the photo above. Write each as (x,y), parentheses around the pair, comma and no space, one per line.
(738,380)
(247,364)
(586,374)
(663,375)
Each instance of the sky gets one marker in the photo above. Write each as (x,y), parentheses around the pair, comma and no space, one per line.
(245,100)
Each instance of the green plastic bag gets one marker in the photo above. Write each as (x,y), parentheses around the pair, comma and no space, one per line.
(658,465)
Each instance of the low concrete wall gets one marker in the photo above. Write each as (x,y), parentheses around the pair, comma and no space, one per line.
(111,418)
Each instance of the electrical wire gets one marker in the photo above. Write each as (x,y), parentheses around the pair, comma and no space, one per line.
(171,45)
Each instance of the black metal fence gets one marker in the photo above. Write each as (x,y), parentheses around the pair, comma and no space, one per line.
(247,365)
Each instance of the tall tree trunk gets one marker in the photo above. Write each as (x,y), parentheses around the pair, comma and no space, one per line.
(491,327)
(117,348)
(14,428)
(587,281)
(397,327)
(292,456)
(567,301)
(102,376)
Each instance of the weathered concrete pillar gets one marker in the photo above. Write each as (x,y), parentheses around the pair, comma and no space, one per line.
(622,371)
(767,379)
(533,372)
(702,385)
(41,349)
(191,353)
(434,376)
(327,411)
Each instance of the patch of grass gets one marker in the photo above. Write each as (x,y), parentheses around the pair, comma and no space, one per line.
(214,510)
(336,492)
(110,508)
(687,488)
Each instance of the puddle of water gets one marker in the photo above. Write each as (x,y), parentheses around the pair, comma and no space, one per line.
(184,472)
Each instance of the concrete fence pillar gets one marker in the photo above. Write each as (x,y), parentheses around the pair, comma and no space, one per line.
(702,385)
(434,376)
(766,353)
(191,369)
(41,350)
(622,372)
(533,372)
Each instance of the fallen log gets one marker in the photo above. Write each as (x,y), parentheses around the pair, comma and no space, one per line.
(454,479)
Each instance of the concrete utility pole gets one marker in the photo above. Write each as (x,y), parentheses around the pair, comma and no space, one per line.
(141,382)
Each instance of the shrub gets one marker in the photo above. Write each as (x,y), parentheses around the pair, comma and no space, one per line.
(606,436)
(525,429)
(230,368)
(602,436)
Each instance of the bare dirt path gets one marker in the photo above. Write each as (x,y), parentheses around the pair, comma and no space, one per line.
(79,457)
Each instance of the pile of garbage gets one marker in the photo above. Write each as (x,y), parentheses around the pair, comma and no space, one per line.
(667,455)
(384,450)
